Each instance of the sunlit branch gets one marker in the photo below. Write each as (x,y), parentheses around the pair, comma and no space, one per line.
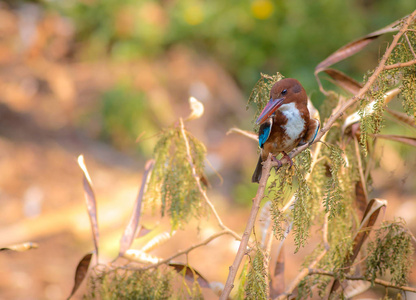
(381,66)
(187,250)
(198,183)
(410,45)
(267,165)
(376,280)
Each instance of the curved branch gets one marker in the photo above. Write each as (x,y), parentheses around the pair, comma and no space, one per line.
(198,183)
(187,250)
(376,281)
(267,165)
(381,66)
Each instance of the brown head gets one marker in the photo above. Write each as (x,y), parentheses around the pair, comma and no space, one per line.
(284,91)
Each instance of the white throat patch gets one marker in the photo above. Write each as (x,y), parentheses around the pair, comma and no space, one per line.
(295,123)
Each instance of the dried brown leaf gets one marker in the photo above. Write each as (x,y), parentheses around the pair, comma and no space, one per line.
(91,203)
(131,230)
(141,257)
(354,47)
(197,109)
(246,133)
(402,117)
(351,49)
(190,274)
(81,272)
(157,241)
(344,81)
(20,247)
(142,231)
(371,216)
(360,199)
(313,112)
(398,138)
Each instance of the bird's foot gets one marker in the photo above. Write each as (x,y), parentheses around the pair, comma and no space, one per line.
(288,158)
(279,163)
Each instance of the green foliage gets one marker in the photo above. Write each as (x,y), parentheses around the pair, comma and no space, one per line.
(260,94)
(279,191)
(372,114)
(242,281)
(257,278)
(172,184)
(246,37)
(328,105)
(125,113)
(124,284)
(391,251)
(158,284)
(302,209)
(333,197)
(320,283)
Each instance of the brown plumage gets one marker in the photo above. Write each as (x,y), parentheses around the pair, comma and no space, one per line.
(285,122)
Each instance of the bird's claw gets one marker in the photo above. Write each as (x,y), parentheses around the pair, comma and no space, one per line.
(288,158)
(279,163)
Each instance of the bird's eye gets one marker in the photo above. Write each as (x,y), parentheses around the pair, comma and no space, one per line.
(284,92)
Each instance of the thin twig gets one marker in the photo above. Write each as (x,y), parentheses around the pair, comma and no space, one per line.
(376,280)
(410,45)
(400,65)
(187,250)
(268,240)
(198,183)
(315,160)
(360,167)
(303,273)
(382,66)
(267,165)
(325,231)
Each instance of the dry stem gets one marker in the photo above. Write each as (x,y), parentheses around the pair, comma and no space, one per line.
(198,183)
(268,164)
(377,281)
(305,271)
(382,66)
(186,251)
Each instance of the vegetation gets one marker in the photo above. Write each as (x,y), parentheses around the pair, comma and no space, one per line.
(327,187)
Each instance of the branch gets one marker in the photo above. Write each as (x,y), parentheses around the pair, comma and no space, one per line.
(307,176)
(305,271)
(400,65)
(382,66)
(198,183)
(267,165)
(377,281)
(186,251)
(410,45)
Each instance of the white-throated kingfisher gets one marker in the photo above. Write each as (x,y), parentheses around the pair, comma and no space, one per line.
(285,122)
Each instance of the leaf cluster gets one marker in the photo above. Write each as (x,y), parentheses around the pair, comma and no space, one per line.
(260,93)
(127,284)
(333,191)
(172,185)
(373,104)
(255,287)
(391,252)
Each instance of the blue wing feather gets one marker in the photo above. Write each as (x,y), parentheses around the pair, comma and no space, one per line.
(264,133)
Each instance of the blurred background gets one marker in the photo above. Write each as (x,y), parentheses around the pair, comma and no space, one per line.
(103,77)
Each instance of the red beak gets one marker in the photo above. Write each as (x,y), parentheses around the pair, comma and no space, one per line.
(269,109)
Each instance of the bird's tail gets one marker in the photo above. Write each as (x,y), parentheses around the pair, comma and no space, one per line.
(257,172)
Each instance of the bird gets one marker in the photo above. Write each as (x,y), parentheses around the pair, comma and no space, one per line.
(285,123)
